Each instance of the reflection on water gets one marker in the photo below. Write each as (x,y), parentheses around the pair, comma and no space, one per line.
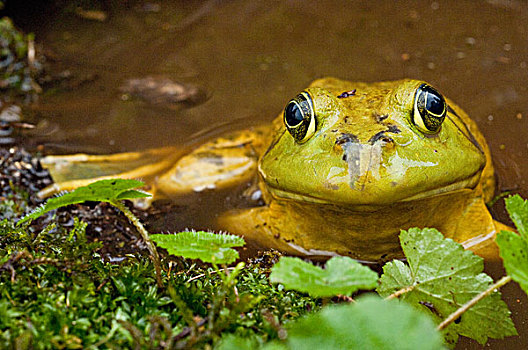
(251,57)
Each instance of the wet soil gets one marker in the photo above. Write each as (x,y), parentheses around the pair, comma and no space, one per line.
(250,57)
(22,176)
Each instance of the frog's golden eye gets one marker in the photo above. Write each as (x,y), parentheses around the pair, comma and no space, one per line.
(299,117)
(429,109)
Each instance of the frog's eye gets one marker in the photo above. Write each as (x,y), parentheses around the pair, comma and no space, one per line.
(429,109)
(299,117)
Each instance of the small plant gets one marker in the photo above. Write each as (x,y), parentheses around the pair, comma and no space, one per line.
(112,191)
(441,283)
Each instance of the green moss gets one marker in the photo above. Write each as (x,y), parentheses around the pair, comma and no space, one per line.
(57,292)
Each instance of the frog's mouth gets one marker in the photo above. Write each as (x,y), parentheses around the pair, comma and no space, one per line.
(468,184)
(361,186)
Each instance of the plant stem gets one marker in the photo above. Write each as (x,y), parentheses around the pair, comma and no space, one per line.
(144,234)
(400,292)
(472,302)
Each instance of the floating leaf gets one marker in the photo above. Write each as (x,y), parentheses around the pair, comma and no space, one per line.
(442,277)
(371,323)
(206,246)
(514,247)
(99,191)
(342,275)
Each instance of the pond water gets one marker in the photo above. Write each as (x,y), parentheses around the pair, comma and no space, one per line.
(251,57)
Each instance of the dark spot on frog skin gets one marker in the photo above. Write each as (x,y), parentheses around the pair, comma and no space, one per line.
(380,117)
(346,138)
(347,94)
(393,129)
(380,136)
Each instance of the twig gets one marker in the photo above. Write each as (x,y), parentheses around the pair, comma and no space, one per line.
(203,274)
(451,318)
(400,292)
(187,330)
(15,257)
(144,234)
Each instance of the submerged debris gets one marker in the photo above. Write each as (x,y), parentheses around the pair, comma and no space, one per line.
(162,91)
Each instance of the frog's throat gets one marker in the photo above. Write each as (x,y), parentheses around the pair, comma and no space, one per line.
(466,184)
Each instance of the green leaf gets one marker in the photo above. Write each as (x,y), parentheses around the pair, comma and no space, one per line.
(513,247)
(442,277)
(518,210)
(514,253)
(206,246)
(99,191)
(232,342)
(371,323)
(342,275)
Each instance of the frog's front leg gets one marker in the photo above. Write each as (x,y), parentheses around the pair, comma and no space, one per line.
(72,171)
(220,163)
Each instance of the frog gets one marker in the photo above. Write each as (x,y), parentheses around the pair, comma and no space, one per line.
(340,171)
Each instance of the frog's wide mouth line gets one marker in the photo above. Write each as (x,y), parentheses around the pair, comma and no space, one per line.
(468,183)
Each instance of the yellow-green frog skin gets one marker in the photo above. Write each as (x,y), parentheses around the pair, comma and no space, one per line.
(341,170)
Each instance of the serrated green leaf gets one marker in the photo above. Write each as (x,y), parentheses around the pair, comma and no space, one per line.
(514,248)
(371,323)
(99,191)
(518,210)
(342,275)
(206,246)
(443,276)
(514,253)
(132,194)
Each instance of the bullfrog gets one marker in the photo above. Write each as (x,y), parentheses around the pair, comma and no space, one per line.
(342,169)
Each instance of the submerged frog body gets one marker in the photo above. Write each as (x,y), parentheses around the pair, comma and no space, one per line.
(342,170)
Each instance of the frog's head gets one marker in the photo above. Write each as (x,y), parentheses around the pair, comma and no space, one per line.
(370,144)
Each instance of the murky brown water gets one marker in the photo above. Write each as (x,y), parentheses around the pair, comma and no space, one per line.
(252,56)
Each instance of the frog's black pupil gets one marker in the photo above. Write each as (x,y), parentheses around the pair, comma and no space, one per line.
(434,102)
(294,115)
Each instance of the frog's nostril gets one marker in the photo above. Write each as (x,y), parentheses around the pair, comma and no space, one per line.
(380,136)
(346,138)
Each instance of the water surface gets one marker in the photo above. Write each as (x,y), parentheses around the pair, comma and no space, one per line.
(251,57)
